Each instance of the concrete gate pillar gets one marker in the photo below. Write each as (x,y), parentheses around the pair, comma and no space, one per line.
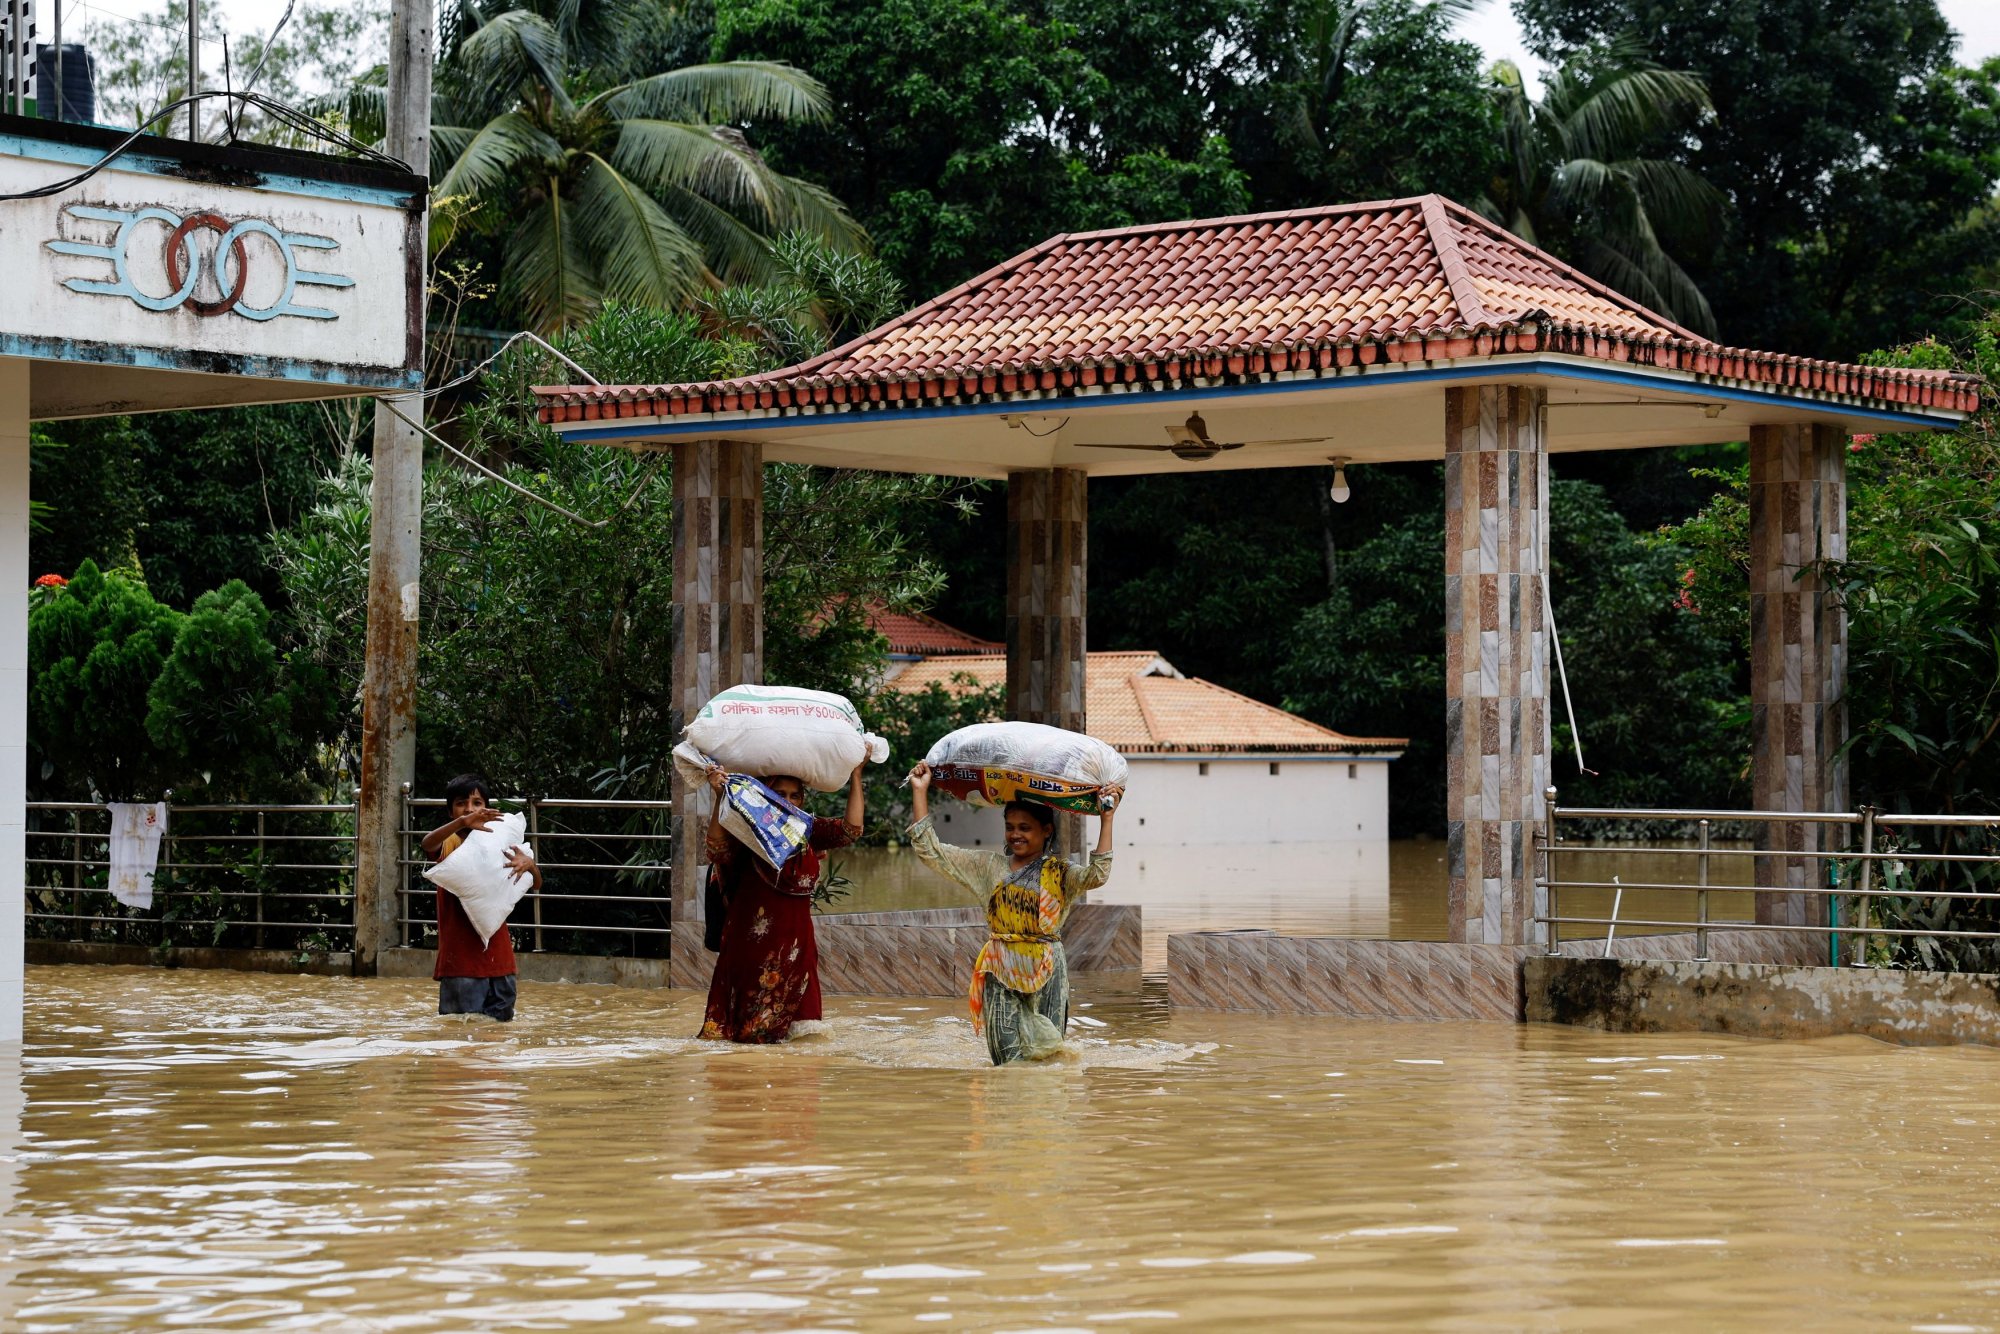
(1048,576)
(1798,654)
(1048,513)
(14,576)
(718,636)
(1496,544)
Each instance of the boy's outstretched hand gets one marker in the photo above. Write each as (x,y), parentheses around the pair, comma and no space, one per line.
(520,863)
(480,818)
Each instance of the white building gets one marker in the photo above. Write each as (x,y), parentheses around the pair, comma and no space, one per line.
(1209,766)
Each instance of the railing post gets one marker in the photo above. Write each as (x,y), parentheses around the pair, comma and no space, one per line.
(403,909)
(167,860)
(1701,901)
(76,875)
(1549,867)
(258,936)
(534,832)
(1863,901)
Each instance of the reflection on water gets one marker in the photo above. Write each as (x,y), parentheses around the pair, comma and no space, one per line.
(222,1151)
(1371,891)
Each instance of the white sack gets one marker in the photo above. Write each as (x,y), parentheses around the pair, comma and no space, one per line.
(478,874)
(815,736)
(993,763)
(136,830)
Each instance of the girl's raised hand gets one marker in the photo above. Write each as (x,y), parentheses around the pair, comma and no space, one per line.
(920,777)
(718,778)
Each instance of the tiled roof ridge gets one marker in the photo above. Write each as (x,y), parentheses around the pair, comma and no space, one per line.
(1383,741)
(1444,239)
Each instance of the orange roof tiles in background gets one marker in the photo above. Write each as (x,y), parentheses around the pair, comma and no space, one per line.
(1237,299)
(1138,704)
(911,633)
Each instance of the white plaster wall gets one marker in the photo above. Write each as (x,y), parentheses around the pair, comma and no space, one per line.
(1176,802)
(369,328)
(14,576)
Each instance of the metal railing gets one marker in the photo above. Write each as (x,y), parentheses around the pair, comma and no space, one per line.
(604,865)
(282,877)
(1885,876)
(269,876)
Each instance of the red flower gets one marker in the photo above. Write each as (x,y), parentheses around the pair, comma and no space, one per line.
(1855,442)
(51,581)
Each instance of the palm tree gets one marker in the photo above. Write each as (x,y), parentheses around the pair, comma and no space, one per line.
(1575,179)
(646,191)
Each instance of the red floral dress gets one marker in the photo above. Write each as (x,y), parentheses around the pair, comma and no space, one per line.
(767,972)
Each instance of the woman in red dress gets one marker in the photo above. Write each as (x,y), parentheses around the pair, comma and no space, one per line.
(767,971)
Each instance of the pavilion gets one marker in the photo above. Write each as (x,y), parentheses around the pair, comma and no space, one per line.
(1376,332)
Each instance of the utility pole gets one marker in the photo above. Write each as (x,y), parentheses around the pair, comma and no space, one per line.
(194,70)
(389,678)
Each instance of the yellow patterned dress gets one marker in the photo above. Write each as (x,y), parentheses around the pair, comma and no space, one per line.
(1020,976)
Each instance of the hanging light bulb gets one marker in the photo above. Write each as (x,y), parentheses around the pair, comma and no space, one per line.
(1340,491)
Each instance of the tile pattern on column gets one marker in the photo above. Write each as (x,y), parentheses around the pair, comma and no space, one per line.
(1048,513)
(1798,653)
(1496,680)
(718,626)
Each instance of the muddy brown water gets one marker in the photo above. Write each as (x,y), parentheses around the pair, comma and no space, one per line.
(181,1149)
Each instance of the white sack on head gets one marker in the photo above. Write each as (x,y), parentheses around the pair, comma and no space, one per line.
(477,874)
(991,764)
(815,736)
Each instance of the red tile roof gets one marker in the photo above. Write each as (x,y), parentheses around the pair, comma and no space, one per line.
(1137,703)
(913,633)
(1239,300)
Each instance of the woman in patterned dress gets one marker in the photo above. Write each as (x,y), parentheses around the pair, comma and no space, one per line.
(1019,995)
(767,971)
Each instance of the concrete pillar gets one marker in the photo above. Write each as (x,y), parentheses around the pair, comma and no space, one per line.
(1048,512)
(1496,544)
(718,633)
(1798,653)
(1048,579)
(14,577)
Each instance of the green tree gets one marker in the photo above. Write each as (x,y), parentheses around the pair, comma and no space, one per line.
(644,192)
(95,648)
(224,706)
(1366,99)
(1856,159)
(1577,177)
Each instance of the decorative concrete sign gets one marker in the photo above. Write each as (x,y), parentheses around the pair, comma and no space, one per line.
(291,270)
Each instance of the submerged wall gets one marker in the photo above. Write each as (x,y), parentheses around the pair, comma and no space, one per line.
(1764,1000)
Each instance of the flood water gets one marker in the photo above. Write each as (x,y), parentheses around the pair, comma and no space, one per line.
(229,1151)
(1380,890)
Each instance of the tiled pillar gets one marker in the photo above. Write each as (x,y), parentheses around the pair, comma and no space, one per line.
(718,632)
(1048,512)
(1496,680)
(14,576)
(1798,653)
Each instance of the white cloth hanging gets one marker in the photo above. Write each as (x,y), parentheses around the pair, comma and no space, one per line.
(136,830)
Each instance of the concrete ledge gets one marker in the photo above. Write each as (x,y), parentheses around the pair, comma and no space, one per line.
(1764,1000)
(144,956)
(929,952)
(1357,979)
(589,969)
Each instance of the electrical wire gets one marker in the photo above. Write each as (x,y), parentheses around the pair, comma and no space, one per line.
(250,84)
(501,351)
(511,485)
(284,114)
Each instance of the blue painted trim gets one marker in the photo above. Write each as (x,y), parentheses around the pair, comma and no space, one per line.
(78,155)
(208,363)
(660,428)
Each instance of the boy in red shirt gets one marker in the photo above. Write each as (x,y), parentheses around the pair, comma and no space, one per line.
(472,978)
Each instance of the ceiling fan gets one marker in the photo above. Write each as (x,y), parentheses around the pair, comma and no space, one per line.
(1193,443)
